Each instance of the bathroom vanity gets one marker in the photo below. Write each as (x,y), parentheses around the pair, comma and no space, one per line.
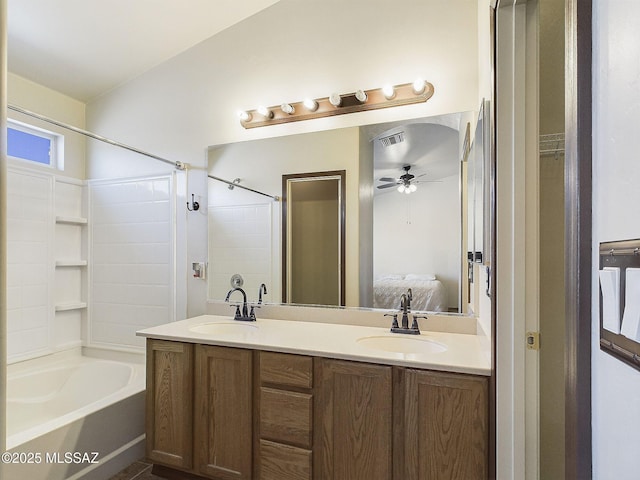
(280,400)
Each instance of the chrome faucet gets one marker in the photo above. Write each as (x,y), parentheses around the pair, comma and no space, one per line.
(244,316)
(405,306)
(405,309)
(263,289)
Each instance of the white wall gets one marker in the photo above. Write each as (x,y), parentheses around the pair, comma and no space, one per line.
(190,102)
(423,229)
(3,220)
(326,46)
(36,98)
(616,210)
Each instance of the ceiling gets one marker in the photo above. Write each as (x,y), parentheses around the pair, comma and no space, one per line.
(429,146)
(84,48)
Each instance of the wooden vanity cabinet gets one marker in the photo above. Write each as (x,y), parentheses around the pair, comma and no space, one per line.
(322,419)
(442,425)
(222,413)
(353,421)
(199,410)
(230,413)
(381,422)
(169,403)
(283,400)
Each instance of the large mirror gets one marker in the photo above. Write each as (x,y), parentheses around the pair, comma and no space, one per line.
(403,211)
(479,241)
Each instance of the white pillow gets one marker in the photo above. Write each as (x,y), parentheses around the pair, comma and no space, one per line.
(420,276)
(390,276)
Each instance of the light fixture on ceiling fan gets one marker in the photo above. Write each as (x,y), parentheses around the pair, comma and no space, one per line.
(405,183)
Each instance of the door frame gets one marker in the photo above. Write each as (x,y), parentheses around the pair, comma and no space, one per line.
(578,238)
(341,174)
(511,426)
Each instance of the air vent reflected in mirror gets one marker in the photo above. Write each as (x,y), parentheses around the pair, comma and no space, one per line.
(392,139)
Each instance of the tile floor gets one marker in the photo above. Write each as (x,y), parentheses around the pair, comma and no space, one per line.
(139,470)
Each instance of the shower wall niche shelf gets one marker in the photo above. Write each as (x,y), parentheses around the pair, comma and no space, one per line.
(71,220)
(71,271)
(64,307)
(71,263)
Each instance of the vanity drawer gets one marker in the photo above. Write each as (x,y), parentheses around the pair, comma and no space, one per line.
(286,416)
(286,370)
(283,462)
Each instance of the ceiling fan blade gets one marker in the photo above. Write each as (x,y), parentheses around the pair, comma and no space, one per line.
(388,185)
(388,179)
(421,175)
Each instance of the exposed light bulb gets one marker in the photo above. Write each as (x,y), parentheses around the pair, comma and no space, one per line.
(407,190)
(413,187)
(335,99)
(418,86)
(361,96)
(265,112)
(287,108)
(401,189)
(389,92)
(244,116)
(310,104)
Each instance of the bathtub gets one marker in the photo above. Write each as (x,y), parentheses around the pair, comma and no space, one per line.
(72,416)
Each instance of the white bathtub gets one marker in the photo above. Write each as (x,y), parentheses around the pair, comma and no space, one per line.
(69,403)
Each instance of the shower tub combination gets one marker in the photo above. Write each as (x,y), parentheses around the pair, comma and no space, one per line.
(73,416)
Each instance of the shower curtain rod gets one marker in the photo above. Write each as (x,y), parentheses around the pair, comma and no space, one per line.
(178,165)
(86,133)
(232,184)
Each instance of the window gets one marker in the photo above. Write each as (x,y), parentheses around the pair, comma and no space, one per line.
(28,143)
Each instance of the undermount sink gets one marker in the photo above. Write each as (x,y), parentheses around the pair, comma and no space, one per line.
(226,328)
(402,344)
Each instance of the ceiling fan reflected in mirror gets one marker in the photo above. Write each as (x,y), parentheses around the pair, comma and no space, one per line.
(406,183)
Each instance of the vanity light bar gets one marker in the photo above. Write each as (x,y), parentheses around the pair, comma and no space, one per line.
(359,101)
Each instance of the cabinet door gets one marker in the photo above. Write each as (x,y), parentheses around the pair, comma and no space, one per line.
(352,427)
(223,412)
(169,402)
(445,426)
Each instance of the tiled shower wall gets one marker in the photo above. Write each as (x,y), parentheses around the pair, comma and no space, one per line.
(240,242)
(29,264)
(53,302)
(132,259)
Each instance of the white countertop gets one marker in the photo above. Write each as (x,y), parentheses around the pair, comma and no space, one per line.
(452,352)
